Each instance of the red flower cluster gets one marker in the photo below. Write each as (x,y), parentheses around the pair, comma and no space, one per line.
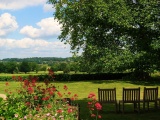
(65,87)
(30,90)
(36,93)
(98,106)
(7,83)
(59,111)
(59,94)
(91,95)
(37,96)
(94,106)
(70,110)
(51,73)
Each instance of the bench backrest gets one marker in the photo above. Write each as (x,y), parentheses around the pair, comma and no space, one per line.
(107,95)
(131,95)
(150,94)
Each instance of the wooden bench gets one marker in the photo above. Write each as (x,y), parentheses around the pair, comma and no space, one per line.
(150,95)
(130,95)
(107,96)
(158,103)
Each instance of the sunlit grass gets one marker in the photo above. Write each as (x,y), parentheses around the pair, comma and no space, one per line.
(37,73)
(83,88)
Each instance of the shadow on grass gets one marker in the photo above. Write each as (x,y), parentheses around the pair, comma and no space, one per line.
(108,112)
(154,81)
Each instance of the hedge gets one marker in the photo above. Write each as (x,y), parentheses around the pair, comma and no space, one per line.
(75,77)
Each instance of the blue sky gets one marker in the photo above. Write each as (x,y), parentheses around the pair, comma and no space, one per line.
(28,29)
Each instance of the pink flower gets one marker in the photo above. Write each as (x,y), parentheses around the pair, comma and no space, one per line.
(65,87)
(16,115)
(89,103)
(59,94)
(98,106)
(51,92)
(25,117)
(69,93)
(46,98)
(93,115)
(91,95)
(99,116)
(7,83)
(75,95)
(26,82)
(70,110)
(27,103)
(59,111)
(36,97)
(49,106)
(30,90)
(48,114)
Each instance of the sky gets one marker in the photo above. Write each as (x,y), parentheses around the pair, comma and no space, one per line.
(28,29)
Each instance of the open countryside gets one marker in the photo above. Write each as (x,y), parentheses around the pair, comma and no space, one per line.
(80,60)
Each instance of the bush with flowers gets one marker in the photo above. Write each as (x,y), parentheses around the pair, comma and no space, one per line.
(38,101)
(94,106)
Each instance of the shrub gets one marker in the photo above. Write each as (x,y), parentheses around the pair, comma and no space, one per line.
(94,106)
(35,100)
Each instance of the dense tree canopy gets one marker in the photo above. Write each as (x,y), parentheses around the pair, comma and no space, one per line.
(109,31)
(25,67)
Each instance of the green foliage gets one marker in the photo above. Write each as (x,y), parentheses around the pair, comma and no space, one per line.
(38,60)
(85,87)
(2,67)
(73,77)
(10,67)
(108,29)
(34,101)
(25,67)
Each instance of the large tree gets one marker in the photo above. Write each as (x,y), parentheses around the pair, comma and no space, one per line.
(10,67)
(112,28)
(25,67)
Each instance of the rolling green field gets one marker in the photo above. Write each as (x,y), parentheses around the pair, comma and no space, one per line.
(83,88)
(23,74)
(39,73)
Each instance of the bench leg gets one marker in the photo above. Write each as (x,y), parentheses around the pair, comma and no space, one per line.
(123,107)
(148,105)
(139,107)
(116,107)
(119,107)
(156,107)
(143,106)
(135,106)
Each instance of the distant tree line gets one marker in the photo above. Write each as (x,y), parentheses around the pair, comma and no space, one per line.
(39,60)
(16,67)
(76,64)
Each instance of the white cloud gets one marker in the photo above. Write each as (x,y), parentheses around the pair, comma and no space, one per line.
(7,24)
(48,8)
(19,4)
(30,43)
(28,47)
(48,27)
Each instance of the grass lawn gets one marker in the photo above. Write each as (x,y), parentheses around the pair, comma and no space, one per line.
(83,88)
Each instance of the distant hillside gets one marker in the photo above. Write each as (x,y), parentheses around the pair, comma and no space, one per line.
(36,59)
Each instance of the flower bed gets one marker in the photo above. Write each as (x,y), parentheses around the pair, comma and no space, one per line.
(37,101)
